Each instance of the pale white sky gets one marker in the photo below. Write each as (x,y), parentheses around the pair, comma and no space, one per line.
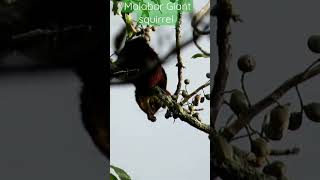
(160,150)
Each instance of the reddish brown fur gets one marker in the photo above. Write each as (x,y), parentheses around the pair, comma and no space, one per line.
(137,54)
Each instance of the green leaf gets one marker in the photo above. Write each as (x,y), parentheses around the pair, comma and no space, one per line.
(121,173)
(199,55)
(112,177)
(128,21)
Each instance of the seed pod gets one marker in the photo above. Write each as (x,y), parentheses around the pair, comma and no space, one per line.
(246,63)
(196,100)
(312,111)
(187,81)
(260,147)
(202,99)
(279,118)
(184,93)
(207,96)
(273,134)
(295,121)
(276,168)
(222,149)
(175,115)
(314,43)
(238,102)
(167,115)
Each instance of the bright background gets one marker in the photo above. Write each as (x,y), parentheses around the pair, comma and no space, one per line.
(163,149)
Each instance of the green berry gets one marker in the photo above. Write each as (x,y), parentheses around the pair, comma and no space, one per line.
(276,168)
(279,118)
(184,93)
(238,102)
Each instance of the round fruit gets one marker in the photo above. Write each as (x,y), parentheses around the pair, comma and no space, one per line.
(208,75)
(202,99)
(187,81)
(272,134)
(207,96)
(314,43)
(167,115)
(276,168)
(184,93)
(312,111)
(246,63)
(196,100)
(295,121)
(175,116)
(279,118)
(238,102)
(260,147)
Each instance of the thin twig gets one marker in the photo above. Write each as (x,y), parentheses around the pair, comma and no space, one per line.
(178,50)
(242,136)
(244,89)
(195,40)
(197,18)
(285,152)
(263,124)
(300,98)
(312,65)
(241,122)
(194,92)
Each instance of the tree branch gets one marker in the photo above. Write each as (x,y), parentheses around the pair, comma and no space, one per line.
(284,152)
(196,19)
(224,52)
(181,113)
(245,119)
(178,50)
(237,168)
(194,93)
